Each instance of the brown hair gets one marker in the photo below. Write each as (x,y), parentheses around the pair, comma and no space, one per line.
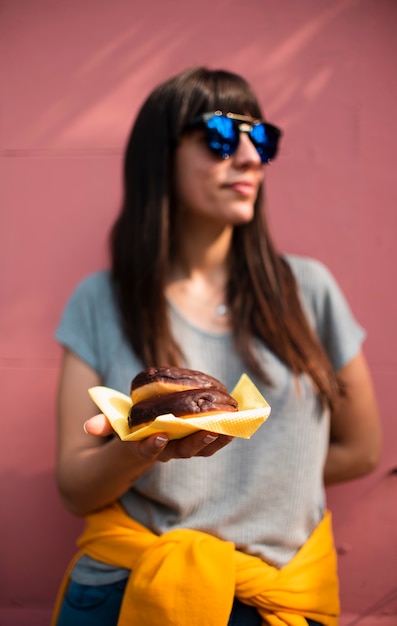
(262,293)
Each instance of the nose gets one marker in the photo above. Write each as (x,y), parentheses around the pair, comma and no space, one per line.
(246,154)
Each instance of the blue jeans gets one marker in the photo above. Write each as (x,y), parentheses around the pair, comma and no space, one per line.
(100,606)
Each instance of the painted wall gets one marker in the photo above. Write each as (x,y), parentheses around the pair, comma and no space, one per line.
(72,77)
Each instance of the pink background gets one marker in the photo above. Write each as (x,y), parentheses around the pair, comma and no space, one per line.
(72,77)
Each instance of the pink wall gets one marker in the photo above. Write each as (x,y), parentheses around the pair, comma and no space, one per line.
(72,76)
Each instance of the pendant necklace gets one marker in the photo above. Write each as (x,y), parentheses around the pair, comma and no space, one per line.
(221,310)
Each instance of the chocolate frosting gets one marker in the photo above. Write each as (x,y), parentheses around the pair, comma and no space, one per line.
(180,375)
(180,403)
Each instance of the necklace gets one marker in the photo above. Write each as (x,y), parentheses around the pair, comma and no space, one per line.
(221,310)
(198,300)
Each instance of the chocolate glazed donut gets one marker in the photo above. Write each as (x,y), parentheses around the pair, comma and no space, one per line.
(168,379)
(181,403)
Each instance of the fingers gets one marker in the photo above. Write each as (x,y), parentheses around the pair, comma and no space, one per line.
(199,444)
(151,447)
(158,446)
(220,442)
(98,426)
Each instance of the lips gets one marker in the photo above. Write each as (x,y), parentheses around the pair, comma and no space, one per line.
(243,188)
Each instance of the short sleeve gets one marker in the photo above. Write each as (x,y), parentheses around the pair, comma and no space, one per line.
(328,310)
(82,318)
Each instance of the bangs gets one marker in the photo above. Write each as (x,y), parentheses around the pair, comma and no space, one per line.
(232,94)
(212,90)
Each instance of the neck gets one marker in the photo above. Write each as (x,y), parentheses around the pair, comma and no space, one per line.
(198,279)
(202,252)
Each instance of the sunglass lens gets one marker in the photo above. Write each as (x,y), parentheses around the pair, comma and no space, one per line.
(263,142)
(222,136)
(265,139)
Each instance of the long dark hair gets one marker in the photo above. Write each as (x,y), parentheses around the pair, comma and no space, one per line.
(262,293)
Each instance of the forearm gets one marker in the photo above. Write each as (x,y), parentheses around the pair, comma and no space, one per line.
(344,463)
(96,477)
(92,471)
(355,437)
(91,477)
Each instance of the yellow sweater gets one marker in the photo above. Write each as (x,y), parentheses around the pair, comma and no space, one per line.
(189,577)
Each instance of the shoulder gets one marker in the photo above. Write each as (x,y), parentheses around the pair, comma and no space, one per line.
(96,282)
(92,298)
(89,325)
(92,289)
(327,309)
(309,272)
(315,281)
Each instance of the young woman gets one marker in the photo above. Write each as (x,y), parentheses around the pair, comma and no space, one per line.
(206,529)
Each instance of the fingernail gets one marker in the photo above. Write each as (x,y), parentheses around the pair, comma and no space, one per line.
(210,438)
(85,428)
(161,441)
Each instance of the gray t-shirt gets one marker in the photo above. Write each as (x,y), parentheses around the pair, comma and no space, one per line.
(265,494)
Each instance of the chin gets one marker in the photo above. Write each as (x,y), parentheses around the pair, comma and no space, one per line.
(243,215)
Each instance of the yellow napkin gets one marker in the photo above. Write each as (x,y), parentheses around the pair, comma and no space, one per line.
(254,411)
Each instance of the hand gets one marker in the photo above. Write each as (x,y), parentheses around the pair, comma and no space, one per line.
(158,446)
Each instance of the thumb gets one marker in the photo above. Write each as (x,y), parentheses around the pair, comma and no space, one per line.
(98,426)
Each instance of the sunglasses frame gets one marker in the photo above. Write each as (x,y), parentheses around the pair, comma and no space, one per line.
(243,124)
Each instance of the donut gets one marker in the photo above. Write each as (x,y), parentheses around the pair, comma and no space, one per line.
(168,379)
(177,390)
(188,403)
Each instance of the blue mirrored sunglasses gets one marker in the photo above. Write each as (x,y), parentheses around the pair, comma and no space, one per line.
(223,134)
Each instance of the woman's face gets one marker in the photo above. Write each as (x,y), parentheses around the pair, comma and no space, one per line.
(222,190)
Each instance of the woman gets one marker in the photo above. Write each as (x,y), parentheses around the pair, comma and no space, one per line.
(196,280)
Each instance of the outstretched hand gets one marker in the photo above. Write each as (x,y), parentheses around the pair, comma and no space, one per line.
(201,443)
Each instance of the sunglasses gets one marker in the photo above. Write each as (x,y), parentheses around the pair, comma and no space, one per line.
(223,134)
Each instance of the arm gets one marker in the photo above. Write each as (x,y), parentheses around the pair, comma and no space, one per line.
(355,437)
(94,471)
